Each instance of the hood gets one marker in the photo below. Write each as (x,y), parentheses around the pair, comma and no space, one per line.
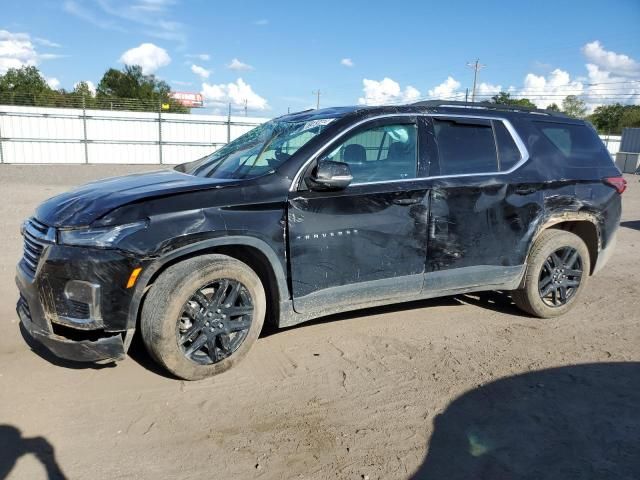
(85,204)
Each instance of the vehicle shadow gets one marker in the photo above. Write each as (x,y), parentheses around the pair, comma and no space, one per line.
(632,224)
(578,421)
(45,354)
(496,301)
(270,329)
(13,446)
(139,354)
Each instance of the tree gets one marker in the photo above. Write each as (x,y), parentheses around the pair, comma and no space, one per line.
(82,96)
(118,88)
(24,86)
(574,106)
(505,98)
(606,118)
(553,107)
(630,117)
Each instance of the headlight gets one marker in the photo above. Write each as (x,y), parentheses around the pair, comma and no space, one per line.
(99,237)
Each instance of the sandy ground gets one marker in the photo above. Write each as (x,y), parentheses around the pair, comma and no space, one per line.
(458,387)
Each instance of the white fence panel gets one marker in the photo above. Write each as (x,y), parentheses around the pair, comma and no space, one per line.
(67,135)
(612,143)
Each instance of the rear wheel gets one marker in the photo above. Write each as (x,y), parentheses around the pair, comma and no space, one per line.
(557,271)
(202,315)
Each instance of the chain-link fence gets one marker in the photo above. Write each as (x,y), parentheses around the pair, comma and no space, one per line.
(114,131)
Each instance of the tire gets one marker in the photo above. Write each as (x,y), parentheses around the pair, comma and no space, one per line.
(172,295)
(529,297)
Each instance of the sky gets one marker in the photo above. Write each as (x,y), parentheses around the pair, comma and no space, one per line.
(272,56)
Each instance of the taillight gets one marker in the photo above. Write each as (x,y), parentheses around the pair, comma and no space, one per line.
(619,183)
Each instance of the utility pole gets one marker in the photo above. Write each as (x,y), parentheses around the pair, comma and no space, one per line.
(245,107)
(229,124)
(466,95)
(476,66)
(317,94)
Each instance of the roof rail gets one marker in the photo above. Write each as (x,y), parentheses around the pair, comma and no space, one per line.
(488,106)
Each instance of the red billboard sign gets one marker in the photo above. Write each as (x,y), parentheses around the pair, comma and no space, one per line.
(188,99)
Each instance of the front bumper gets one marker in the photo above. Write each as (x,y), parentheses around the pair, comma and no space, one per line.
(64,277)
(108,348)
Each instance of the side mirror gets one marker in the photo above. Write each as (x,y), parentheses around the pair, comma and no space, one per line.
(330,175)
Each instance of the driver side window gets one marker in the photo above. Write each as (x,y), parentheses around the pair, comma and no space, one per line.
(385,152)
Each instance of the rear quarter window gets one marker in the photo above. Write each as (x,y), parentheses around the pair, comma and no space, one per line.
(572,141)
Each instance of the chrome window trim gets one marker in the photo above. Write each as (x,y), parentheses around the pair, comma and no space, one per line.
(524,154)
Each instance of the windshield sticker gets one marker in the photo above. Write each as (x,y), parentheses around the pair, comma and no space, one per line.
(317,123)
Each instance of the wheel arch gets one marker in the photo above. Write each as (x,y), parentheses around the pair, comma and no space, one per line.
(582,224)
(254,252)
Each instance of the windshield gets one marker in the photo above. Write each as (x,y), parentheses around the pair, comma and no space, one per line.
(258,151)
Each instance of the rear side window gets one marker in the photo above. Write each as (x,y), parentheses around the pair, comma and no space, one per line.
(508,153)
(571,140)
(465,146)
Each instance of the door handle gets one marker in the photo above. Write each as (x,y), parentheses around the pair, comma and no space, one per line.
(406,201)
(525,190)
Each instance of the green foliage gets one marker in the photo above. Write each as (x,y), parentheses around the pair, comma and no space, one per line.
(613,118)
(574,106)
(553,107)
(131,83)
(505,98)
(24,86)
(630,117)
(127,89)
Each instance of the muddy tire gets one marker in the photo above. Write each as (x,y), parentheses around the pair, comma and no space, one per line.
(557,273)
(202,315)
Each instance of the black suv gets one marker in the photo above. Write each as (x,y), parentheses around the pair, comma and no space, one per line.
(315,213)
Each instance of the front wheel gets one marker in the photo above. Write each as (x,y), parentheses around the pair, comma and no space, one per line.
(201,316)
(557,271)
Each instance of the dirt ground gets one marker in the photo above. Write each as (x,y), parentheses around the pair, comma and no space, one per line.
(458,387)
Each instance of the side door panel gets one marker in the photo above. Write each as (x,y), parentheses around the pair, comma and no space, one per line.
(355,247)
(478,234)
(364,243)
(479,224)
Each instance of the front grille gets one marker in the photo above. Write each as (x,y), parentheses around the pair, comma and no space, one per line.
(36,236)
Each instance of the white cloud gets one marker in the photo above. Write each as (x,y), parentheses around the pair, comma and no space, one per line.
(261,22)
(544,91)
(451,89)
(605,87)
(205,57)
(151,17)
(487,89)
(236,93)
(53,83)
(90,84)
(446,90)
(386,91)
(239,66)
(149,56)
(18,50)
(46,43)
(347,62)
(616,63)
(200,71)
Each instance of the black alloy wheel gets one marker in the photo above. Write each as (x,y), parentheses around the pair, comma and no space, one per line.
(560,277)
(215,321)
